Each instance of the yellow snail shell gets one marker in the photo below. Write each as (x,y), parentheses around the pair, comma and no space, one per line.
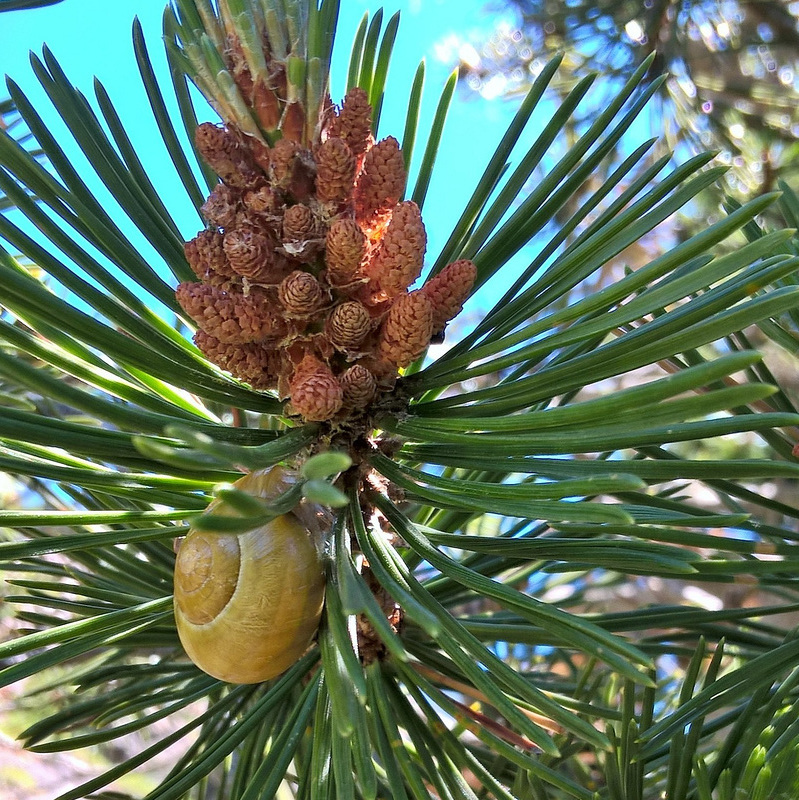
(247,606)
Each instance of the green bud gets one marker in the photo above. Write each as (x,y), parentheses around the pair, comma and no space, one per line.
(241,502)
(325,464)
(324,493)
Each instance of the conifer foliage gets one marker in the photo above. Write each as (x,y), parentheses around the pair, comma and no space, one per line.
(475,511)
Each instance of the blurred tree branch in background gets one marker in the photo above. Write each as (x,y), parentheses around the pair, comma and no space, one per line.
(733,70)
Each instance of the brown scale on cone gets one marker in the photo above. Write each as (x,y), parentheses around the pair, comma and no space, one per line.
(292,122)
(241,72)
(266,105)
(303,275)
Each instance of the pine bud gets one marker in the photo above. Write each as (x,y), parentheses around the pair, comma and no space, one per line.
(407,329)
(221,206)
(252,363)
(347,246)
(358,387)
(206,255)
(292,123)
(223,153)
(448,291)
(398,262)
(335,171)
(266,105)
(300,294)
(382,180)
(316,396)
(354,122)
(231,317)
(348,324)
(241,71)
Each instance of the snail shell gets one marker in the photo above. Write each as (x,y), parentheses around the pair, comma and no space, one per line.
(247,606)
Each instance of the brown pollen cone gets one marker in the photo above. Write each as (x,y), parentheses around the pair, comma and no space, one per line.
(398,262)
(358,386)
(250,253)
(317,395)
(348,324)
(335,171)
(303,280)
(347,247)
(307,365)
(206,255)
(231,317)
(300,294)
(448,291)
(354,121)
(263,200)
(253,363)
(382,179)
(221,149)
(221,206)
(301,236)
(299,224)
(407,329)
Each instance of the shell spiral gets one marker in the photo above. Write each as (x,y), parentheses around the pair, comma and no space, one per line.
(247,606)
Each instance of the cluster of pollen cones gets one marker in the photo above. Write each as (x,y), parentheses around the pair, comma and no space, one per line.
(304,269)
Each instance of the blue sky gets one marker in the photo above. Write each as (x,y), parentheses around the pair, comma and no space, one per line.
(93,37)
